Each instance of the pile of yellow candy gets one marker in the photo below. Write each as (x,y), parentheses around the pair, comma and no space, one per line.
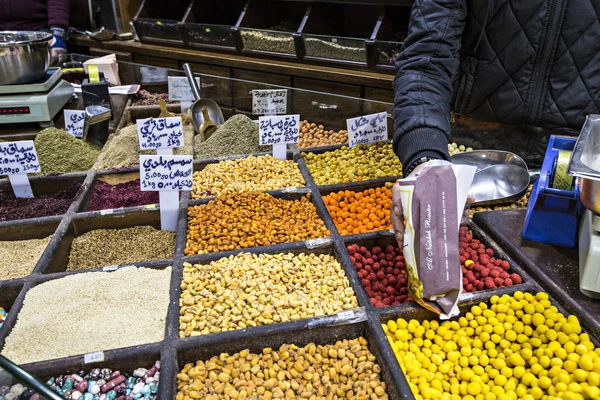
(520,347)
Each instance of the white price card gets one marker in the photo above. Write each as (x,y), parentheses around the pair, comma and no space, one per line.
(18,158)
(168,173)
(97,356)
(279,129)
(180,90)
(74,122)
(269,102)
(160,133)
(367,129)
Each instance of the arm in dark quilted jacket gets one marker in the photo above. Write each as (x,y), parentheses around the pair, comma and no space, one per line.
(58,14)
(423,83)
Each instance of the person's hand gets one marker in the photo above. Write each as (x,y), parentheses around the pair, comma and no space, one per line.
(396,214)
(58,50)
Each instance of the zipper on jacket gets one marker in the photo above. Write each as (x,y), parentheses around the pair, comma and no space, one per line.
(543,62)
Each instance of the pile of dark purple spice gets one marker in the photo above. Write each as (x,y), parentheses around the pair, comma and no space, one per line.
(12,208)
(128,194)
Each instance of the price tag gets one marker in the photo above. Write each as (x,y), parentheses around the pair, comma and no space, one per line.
(74,122)
(162,172)
(315,243)
(97,356)
(180,90)
(167,174)
(160,133)
(269,102)
(278,131)
(367,129)
(17,159)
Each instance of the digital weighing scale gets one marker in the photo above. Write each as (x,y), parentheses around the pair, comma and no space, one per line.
(585,165)
(35,102)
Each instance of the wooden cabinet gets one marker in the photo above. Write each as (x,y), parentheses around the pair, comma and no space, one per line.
(156,61)
(220,90)
(242,96)
(327,109)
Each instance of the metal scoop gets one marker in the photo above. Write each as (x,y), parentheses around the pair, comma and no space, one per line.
(213,109)
(501,176)
(486,158)
(501,183)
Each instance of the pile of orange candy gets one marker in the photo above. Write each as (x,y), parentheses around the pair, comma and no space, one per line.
(360,212)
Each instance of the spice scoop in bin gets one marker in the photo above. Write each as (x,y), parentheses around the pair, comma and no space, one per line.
(210,107)
(501,177)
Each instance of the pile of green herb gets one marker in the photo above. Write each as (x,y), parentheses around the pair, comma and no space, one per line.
(237,136)
(122,149)
(60,152)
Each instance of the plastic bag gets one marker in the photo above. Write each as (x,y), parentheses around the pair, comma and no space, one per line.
(433,202)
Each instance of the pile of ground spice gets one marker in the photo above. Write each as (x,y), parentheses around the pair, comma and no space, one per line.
(90,312)
(126,194)
(146,98)
(18,258)
(104,247)
(12,208)
(60,152)
(122,149)
(237,136)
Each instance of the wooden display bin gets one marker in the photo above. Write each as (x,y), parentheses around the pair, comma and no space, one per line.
(213,24)
(158,21)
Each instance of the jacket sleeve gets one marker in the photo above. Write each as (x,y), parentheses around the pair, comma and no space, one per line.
(424,74)
(58,14)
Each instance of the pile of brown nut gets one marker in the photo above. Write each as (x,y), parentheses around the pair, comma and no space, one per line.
(242,220)
(345,370)
(248,290)
(313,135)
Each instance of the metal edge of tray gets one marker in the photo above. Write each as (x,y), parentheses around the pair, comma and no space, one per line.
(577,167)
(173,350)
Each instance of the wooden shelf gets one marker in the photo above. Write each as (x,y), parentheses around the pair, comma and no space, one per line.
(172,57)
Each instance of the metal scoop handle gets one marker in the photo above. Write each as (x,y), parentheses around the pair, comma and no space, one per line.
(192,81)
(28,379)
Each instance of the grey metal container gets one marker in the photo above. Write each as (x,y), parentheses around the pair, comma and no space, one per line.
(24,56)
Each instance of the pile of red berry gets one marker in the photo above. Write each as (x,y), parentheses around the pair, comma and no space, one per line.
(480,269)
(382,273)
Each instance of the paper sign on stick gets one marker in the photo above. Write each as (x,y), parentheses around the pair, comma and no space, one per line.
(17,159)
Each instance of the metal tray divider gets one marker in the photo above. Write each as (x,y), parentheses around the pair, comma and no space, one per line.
(172,349)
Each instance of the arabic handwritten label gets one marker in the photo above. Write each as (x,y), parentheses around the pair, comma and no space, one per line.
(269,102)
(18,158)
(165,173)
(160,133)
(367,129)
(74,122)
(279,129)
(180,90)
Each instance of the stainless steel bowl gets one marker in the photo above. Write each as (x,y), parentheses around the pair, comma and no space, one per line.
(23,56)
(590,194)
(585,163)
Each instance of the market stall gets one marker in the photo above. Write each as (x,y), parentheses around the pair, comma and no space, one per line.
(281,277)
